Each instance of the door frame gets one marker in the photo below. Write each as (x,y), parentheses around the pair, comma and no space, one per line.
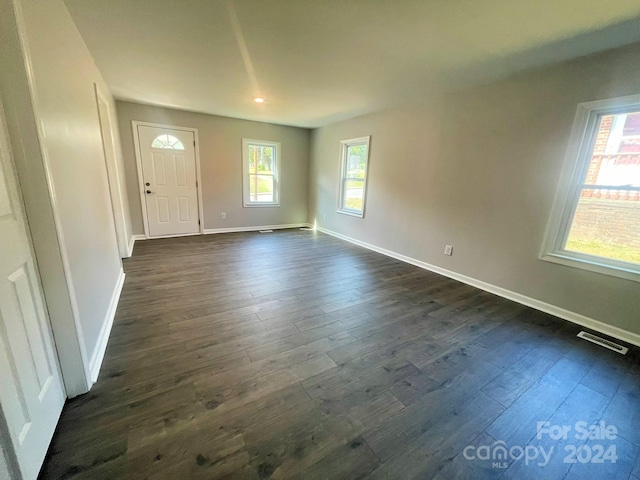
(113,172)
(143,203)
(33,167)
(8,448)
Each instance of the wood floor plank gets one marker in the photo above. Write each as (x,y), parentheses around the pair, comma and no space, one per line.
(517,379)
(623,411)
(461,466)
(297,355)
(389,358)
(518,424)
(636,467)
(428,452)
(582,405)
(335,333)
(626,452)
(436,401)
(349,461)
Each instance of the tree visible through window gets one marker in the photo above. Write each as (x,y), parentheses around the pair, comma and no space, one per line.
(355,157)
(260,161)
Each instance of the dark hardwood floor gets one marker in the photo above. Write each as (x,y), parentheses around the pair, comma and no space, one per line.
(296,355)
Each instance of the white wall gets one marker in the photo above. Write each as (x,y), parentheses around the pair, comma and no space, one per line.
(221,165)
(53,122)
(478,170)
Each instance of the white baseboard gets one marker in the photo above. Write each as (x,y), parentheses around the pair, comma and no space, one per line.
(596,325)
(103,339)
(209,231)
(132,242)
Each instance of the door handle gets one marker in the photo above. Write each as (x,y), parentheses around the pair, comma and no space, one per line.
(149,192)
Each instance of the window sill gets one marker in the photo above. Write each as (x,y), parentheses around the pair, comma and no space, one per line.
(251,205)
(351,213)
(592,264)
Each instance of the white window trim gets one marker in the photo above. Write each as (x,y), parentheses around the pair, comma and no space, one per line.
(245,173)
(345,144)
(574,168)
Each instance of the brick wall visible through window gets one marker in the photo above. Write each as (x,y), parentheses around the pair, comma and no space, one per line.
(596,218)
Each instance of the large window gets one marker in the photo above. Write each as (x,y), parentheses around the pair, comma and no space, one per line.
(353,180)
(261,168)
(596,219)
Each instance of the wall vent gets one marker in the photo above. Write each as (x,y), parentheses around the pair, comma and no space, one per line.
(265,231)
(306,228)
(603,342)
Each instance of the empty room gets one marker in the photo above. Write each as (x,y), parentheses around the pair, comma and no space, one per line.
(319,239)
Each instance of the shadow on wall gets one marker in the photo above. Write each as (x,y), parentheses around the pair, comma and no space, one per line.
(626,32)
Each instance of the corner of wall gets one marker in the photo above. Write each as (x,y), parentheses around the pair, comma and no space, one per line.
(98,355)
(24,130)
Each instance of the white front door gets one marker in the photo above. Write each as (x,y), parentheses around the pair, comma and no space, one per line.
(31,391)
(169,180)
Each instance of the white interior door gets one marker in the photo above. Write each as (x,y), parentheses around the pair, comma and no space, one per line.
(169,180)
(31,390)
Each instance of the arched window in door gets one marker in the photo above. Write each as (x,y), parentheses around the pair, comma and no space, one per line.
(168,142)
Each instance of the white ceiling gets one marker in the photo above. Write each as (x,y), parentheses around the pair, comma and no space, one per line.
(319,61)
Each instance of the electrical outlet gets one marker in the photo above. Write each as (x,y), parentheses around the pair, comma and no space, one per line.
(324,216)
(223,215)
(448,250)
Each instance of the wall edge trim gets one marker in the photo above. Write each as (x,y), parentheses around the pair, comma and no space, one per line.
(209,231)
(105,332)
(132,242)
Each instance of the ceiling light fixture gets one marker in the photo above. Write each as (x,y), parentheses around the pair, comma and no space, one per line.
(258,100)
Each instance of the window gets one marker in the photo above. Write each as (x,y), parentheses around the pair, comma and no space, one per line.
(353,179)
(168,142)
(261,167)
(595,223)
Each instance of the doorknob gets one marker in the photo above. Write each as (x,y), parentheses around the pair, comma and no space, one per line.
(149,192)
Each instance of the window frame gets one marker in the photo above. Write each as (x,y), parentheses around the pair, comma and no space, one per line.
(570,185)
(345,144)
(246,190)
